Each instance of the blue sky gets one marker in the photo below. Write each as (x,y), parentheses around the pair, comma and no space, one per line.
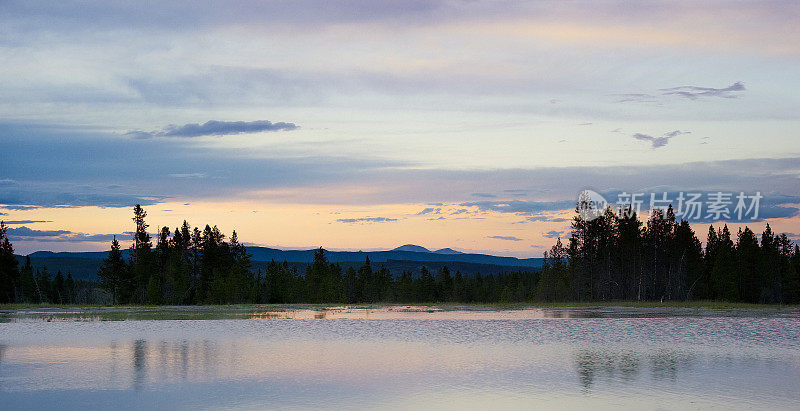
(336,123)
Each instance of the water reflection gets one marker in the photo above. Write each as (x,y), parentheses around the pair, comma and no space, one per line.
(600,364)
(2,353)
(403,363)
(665,364)
(139,363)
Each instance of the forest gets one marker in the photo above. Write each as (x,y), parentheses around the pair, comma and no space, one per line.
(610,258)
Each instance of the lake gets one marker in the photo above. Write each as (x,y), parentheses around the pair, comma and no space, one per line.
(399,357)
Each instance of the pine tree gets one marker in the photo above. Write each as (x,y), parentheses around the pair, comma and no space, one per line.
(748,281)
(793,275)
(689,256)
(58,290)
(69,286)
(142,265)
(724,270)
(365,289)
(444,285)
(43,285)
(315,277)
(629,254)
(709,282)
(27,284)
(459,288)
(114,276)
(426,287)
(553,283)
(9,272)
(768,274)
(406,291)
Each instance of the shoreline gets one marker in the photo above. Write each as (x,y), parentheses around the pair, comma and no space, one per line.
(705,304)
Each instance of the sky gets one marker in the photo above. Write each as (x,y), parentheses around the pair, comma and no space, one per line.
(364,125)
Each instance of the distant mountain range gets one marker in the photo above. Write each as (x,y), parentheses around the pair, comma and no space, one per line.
(421,249)
(409,257)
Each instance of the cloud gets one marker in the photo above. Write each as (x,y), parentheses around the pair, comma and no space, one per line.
(27,234)
(548,219)
(504,237)
(430,210)
(770,206)
(688,92)
(368,220)
(26,221)
(28,199)
(517,192)
(51,168)
(554,234)
(659,141)
(484,195)
(214,128)
(63,166)
(636,97)
(694,92)
(520,206)
(16,207)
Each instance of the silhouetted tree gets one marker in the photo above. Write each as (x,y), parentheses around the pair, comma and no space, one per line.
(554,280)
(113,274)
(9,273)
(426,287)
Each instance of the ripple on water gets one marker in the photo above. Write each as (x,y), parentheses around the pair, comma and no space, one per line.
(403,358)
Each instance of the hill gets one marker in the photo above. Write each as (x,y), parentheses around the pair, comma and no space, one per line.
(84,265)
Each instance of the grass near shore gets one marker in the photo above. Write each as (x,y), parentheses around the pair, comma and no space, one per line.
(654,304)
(709,304)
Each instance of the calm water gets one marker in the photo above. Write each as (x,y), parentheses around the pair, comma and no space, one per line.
(399,357)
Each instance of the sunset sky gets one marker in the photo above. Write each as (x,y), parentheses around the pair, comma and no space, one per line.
(371,124)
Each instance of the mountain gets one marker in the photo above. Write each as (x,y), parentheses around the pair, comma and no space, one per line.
(421,249)
(412,248)
(447,251)
(83,265)
(80,268)
(307,256)
(91,255)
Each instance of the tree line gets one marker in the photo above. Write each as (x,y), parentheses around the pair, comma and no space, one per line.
(615,256)
(193,266)
(28,285)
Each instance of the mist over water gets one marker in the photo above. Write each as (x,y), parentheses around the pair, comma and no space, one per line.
(405,357)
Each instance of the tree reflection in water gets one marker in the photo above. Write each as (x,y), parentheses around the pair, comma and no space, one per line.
(665,365)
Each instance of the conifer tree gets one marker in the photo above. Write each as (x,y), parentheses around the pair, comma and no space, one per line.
(142,265)
(9,272)
(553,283)
(114,276)
(27,284)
